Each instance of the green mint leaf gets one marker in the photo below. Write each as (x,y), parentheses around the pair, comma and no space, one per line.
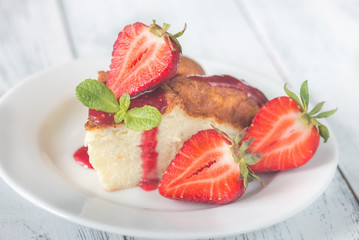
(144,118)
(96,95)
(125,101)
(304,95)
(120,116)
(293,96)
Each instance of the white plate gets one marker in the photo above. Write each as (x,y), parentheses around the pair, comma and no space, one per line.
(41,126)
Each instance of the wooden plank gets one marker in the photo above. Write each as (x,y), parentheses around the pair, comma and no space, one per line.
(20,219)
(318,41)
(333,216)
(32,39)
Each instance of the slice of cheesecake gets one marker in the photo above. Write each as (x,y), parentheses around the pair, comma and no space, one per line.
(124,158)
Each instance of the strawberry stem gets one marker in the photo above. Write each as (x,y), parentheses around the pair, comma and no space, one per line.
(162,32)
(308,118)
(165,27)
(242,156)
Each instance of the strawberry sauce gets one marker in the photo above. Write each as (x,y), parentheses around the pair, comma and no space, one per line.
(231,82)
(154,97)
(82,158)
(149,160)
(101,117)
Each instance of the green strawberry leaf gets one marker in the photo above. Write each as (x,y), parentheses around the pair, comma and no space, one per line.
(144,118)
(315,122)
(235,156)
(179,34)
(96,95)
(247,174)
(324,132)
(293,96)
(223,134)
(316,109)
(237,140)
(245,145)
(252,159)
(252,175)
(243,168)
(304,95)
(326,114)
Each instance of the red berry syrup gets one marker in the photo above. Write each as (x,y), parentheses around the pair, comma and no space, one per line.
(81,157)
(149,157)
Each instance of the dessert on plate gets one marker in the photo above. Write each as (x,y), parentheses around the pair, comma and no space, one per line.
(148,66)
(125,158)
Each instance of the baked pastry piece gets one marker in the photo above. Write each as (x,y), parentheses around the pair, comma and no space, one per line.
(124,158)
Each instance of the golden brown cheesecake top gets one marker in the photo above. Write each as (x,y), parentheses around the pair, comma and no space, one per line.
(226,104)
(188,66)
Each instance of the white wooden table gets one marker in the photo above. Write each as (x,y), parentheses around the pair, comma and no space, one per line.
(290,41)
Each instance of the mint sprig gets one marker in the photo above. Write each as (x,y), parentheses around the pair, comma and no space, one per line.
(96,95)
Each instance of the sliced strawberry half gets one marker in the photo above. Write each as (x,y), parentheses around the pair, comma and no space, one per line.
(205,170)
(143,57)
(285,132)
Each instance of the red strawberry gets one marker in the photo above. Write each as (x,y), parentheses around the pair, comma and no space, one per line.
(143,56)
(285,132)
(207,170)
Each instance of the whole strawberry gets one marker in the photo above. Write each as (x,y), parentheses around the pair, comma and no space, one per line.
(209,168)
(286,133)
(143,57)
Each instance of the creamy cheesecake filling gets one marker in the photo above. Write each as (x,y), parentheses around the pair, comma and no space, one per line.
(124,158)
